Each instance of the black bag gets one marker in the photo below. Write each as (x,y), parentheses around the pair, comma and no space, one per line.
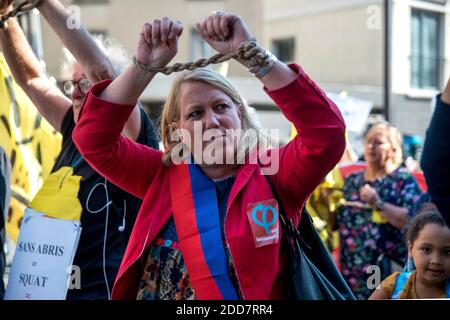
(313,275)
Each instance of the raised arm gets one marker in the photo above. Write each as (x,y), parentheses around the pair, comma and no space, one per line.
(109,104)
(320,142)
(225,32)
(27,72)
(318,146)
(157,45)
(52,104)
(436,155)
(96,64)
(80,43)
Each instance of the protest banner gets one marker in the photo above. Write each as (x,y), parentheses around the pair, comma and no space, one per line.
(43,259)
(30,142)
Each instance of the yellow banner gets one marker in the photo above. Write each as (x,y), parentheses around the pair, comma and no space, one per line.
(58,197)
(31,143)
(325,201)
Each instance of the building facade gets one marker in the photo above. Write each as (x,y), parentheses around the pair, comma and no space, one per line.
(340,43)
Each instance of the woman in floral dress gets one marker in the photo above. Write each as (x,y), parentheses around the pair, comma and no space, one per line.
(379,202)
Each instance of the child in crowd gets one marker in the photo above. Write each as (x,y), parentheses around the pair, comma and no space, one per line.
(427,274)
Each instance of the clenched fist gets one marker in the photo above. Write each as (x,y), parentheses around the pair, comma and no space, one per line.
(224,32)
(369,195)
(158,42)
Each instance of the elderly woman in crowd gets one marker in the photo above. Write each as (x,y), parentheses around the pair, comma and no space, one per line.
(208,227)
(379,201)
(106,212)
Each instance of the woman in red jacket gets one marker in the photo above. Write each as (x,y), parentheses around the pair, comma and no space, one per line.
(209,225)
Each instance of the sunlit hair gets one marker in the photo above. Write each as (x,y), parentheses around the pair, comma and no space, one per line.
(114,51)
(428,215)
(171,111)
(394,137)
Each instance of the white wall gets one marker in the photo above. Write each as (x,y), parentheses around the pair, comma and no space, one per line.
(333,43)
(123,21)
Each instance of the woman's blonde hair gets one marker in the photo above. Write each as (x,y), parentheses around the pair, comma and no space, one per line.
(394,137)
(171,112)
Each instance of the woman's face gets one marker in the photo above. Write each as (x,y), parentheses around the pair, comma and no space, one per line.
(431,254)
(377,148)
(208,119)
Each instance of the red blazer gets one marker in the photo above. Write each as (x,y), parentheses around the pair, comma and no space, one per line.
(138,169)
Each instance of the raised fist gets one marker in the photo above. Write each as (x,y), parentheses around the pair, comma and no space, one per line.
(224,32)
(158,42)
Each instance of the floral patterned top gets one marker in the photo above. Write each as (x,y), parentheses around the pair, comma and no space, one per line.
(364,241)
(165,275)
(408,291)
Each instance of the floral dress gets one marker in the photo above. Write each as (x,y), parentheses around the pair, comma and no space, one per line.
(165,275)
(363,241)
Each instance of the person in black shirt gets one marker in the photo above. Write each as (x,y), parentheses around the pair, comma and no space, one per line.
(108,212)
(436,155)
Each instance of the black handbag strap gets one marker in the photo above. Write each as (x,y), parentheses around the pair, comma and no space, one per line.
(287,225)
(306,247)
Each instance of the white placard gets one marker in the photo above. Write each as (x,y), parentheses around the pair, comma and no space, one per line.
(354,110)
(43,258)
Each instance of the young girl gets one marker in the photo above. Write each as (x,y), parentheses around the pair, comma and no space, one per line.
(428,264)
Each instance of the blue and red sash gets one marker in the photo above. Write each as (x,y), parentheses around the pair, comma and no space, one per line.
(196,215)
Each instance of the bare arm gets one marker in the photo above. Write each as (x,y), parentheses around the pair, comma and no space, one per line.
(96,65)
(51,103)
(278,77)
(397,216)
(157,45)
(27,72)
(80,43)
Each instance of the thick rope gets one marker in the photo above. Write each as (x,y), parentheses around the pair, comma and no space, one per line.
(25,6)
(249,50)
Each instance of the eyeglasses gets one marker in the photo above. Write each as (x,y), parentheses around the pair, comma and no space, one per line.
(83,84)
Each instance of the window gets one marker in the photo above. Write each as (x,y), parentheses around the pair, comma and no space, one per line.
(284,49)
(426,56)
